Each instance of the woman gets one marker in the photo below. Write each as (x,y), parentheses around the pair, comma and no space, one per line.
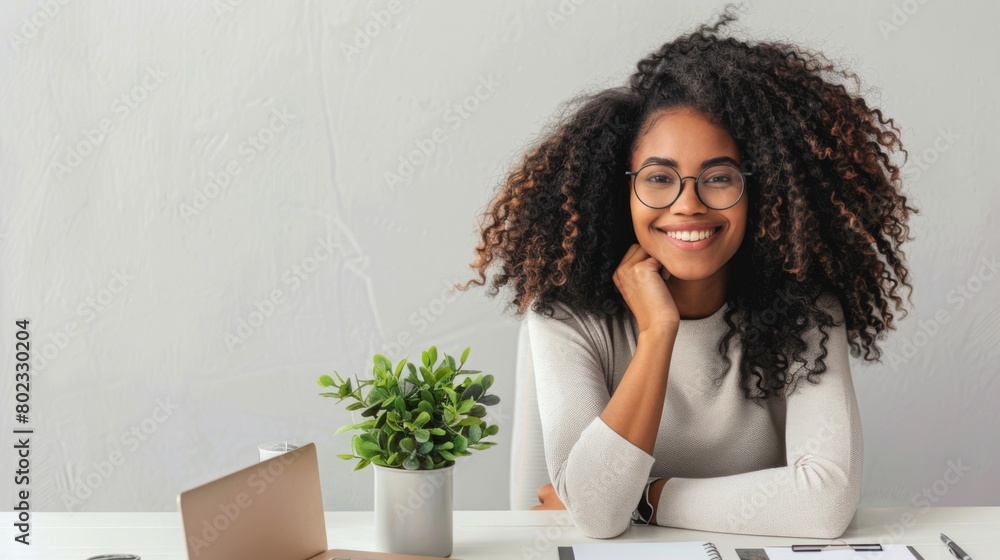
(701,249)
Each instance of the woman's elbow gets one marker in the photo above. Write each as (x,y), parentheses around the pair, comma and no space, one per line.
(829,515)
(601,529)
(597,522)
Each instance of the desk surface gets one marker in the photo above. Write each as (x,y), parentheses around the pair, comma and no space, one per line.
(492,534)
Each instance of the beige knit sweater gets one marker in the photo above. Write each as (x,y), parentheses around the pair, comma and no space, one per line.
(789,468)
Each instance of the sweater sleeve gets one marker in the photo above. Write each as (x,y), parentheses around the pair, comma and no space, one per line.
(597,473)
(817,493)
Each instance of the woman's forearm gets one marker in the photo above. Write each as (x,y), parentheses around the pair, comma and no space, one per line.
(636,406)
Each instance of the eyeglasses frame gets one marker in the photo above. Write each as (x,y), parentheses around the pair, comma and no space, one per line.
(680,191)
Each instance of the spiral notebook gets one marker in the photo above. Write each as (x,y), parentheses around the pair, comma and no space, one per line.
(688,550)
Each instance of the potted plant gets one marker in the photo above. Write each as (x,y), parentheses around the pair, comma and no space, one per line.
(418,421)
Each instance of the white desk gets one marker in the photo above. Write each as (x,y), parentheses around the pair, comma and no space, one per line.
(491,534)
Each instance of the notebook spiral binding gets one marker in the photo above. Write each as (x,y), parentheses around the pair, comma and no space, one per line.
(713,553)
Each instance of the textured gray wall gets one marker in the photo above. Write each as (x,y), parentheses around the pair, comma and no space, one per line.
(138,251)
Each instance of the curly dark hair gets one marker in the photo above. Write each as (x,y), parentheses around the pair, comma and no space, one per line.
(826,210)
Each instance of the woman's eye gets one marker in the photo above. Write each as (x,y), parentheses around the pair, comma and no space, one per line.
(719,179)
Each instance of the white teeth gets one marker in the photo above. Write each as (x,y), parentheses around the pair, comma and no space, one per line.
(691,235)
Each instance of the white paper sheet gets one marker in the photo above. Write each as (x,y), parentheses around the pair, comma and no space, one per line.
(889,552)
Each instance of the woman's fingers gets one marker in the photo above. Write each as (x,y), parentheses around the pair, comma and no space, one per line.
(548,499)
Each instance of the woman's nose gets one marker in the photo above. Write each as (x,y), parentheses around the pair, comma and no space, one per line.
(688,202)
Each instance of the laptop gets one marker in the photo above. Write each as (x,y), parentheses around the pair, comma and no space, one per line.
(272,510)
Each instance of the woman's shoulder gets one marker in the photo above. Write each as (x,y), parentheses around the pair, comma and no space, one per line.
(564,319)
(829,302)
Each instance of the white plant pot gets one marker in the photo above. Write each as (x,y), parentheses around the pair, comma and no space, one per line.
(414,511)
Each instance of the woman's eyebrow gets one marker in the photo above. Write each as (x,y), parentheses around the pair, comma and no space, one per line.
(704,164)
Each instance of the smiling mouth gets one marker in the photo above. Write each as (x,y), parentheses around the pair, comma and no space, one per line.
(693,235)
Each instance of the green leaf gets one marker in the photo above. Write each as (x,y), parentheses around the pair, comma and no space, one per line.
(492,430)
(487,382)
(372,410)
(362,426)
(362,464)
(425,406)
(411,464)
(382,361)
(368,450)
(466,405)
(400,403)
(422,419)
(465,354)
(449,416)
(425,447)
(399,368)
(473,392)
(425,359)
(489,400)
(406,444)
(442,373)
(460,443)
(437,431)
(445,455)
(356,406)
(345,456)
(331,395)
(470,421)
(428,462)
(422,435)
(475,433)
(479,411)
(325,381)
(380,422)
(446,445)
(483,445)
(432,353)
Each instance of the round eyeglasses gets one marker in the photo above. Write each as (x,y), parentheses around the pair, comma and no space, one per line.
(717,187)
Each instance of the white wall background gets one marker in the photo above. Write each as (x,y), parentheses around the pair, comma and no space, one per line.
(134,270)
